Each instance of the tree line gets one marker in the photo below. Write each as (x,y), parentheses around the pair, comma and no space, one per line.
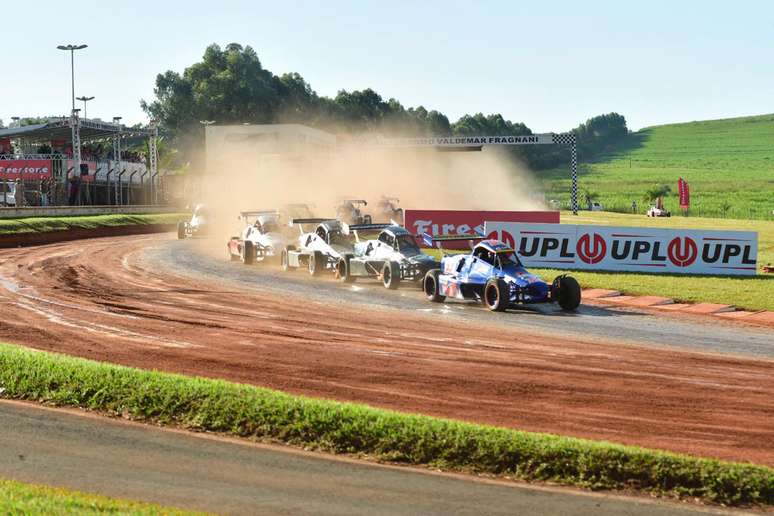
(229,85)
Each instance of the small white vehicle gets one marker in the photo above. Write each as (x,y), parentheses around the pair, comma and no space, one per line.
(8,194)
(393,256)
(317,250)
(196,226)
(655,211)
(350,212)
(261,239)
(595,206)
(389,209)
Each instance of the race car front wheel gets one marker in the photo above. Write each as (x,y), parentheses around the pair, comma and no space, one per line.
(496,295)
(432,287)
(181,230)
(391,275)
(343,271)
(566,292)
(284,263)
(316,263)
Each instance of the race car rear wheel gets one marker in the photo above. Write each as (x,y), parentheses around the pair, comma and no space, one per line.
(391,275)
(248,253)
(496,294)
(343,270)
(566,292)
(431,286)
(181,230)
(316,263)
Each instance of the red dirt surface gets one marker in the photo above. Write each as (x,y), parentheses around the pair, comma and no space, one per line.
(94,299)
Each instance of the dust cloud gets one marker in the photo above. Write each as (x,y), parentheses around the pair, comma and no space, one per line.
(422,178)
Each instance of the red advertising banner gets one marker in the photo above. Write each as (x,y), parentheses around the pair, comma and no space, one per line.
(25,169)
(463,222)
(684,193)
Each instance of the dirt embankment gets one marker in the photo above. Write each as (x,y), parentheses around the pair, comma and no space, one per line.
(50,237)
(94,299)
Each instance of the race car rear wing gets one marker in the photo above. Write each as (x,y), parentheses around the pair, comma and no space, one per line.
(257,213)
(436,241)
(299,222)
(354,228)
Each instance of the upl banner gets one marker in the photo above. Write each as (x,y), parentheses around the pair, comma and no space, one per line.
(681,251)
(467,222)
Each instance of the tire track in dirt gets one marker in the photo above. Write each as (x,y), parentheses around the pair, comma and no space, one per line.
(97,299)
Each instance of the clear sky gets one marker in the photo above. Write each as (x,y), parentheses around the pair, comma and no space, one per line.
(551,64)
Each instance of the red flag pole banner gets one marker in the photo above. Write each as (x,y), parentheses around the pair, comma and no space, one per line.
(685,196)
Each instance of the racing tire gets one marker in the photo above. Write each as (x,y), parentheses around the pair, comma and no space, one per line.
(496,295)
(248,253)
(430,286)
(181,230)
(316,263)
(229,255)
(367,219)
(284,262)
(567,292)
(342,270)
(391,275)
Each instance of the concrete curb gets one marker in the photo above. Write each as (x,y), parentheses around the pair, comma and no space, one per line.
(728,312)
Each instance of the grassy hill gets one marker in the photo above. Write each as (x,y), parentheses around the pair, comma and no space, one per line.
(729,165)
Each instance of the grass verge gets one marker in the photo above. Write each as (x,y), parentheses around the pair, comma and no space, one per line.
(45,224)
(247,411)
(21,498)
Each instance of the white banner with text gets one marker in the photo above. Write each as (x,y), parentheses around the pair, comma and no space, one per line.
(680,251)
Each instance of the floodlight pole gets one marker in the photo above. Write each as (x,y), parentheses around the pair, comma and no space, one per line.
(72,48)
(84,99)
(117,156)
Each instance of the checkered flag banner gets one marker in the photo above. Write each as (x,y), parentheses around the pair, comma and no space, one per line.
(564,138)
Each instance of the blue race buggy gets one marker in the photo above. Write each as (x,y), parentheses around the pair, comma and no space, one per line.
(493,274)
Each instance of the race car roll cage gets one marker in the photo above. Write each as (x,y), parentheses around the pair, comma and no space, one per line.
(476,143)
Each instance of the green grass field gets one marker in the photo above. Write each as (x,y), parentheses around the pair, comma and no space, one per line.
(724,161)
(21,498)
(43,224)
(259,413)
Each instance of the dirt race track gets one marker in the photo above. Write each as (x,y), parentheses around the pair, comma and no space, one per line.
(109,299)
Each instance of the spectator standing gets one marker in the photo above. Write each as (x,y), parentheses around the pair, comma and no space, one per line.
(19,193)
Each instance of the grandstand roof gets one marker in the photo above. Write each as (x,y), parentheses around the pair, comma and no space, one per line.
(59,129)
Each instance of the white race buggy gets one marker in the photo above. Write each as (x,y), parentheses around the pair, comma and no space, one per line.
(262,238)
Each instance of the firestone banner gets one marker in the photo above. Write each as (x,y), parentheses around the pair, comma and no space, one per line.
(673,251)
(464,222)
(25,169)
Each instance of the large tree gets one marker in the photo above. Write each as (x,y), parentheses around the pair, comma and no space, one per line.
(230,86)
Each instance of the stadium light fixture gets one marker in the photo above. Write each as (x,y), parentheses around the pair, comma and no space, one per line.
(72,48)
(84,99)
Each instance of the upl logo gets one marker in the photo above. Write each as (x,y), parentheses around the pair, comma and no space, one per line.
(591,248)
(682,251)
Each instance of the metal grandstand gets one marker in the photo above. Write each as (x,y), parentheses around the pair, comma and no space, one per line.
(66,175)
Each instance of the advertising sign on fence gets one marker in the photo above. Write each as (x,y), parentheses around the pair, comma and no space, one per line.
(25,169)
(463,222)
(681,251)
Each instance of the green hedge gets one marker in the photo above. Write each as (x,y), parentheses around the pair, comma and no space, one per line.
(247,411)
